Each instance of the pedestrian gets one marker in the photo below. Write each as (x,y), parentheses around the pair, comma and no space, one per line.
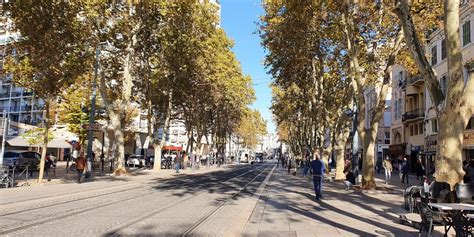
(350,177)
(176,164)
(305,164)
(80,166)
(288,165)
(317,165)
(48,164)
(387,166)
(294,165)
(405,170)
(419,170)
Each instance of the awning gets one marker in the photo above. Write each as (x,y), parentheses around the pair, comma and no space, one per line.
(21,142)
(172,148)
(397,149)
(17,141)
(59,143)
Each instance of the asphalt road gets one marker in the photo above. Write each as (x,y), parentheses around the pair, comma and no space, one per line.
(210,204)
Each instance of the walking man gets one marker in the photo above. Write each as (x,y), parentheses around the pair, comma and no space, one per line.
(387,166)
(80,166)
(318,168)
(176,163)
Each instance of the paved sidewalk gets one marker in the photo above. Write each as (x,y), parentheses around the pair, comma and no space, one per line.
(288,208)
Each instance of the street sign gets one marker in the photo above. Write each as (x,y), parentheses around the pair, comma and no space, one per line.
(93,127)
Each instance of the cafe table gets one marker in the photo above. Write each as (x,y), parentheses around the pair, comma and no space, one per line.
(457,212)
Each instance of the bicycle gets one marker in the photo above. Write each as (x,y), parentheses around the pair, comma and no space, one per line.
(5,179)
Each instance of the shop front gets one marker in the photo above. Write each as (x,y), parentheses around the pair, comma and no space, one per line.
(468,145)
(397,151)
(429,155)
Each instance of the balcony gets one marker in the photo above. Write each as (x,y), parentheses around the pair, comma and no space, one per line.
(27,93)
(26,108)
(14,108)
(16,94)
(415,80)
(414,114)
(5,95)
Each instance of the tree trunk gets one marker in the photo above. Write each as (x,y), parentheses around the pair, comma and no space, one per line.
(449,154)
(45,140)
(341,136)
(368,162)
(119,140)
(166,127)
(452,119)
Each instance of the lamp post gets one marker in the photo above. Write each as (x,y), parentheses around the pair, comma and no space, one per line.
(90,132)
(355,140)
(5,120)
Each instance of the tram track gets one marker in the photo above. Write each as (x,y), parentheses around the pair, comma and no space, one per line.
(72,212)
(135,221)
(196,225)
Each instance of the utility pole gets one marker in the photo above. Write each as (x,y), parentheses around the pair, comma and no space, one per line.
(5,120)
(90,135)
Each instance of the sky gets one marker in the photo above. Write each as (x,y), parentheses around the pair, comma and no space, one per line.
(239,20)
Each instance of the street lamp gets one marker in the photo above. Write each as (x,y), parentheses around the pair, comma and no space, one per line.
(355,140)
(90,132)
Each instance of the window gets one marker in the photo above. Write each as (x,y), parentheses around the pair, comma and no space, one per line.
(411,130)
(387,138)
(399,108)
(434,125)
(466,33)
(444,84)
(470,124)
(434,55)
(416,129)
(420,128)
(444,53)
(395,107)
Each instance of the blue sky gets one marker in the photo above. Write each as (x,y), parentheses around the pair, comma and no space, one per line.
(239,20)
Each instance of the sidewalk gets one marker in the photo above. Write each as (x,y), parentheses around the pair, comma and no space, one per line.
(288,208)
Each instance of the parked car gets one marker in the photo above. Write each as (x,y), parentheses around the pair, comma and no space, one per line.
(21,159)
(136,160)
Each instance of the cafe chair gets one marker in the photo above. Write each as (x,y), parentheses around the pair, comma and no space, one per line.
(465,193)
(411,196)
(431,218)
(439,191)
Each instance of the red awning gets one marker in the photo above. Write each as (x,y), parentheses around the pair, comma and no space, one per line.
(172,148)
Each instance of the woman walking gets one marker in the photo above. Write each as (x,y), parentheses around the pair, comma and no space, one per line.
(387,166)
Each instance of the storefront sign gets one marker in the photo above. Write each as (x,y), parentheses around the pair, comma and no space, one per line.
(397,149)
(431,142)
(468,138)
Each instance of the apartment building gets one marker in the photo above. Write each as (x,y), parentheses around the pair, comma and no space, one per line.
(414,126)
(438,54)
(398,142)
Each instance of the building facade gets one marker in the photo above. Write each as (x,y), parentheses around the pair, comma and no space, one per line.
(438,54)
(414,126)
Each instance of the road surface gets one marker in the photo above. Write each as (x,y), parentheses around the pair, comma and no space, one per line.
(206,204)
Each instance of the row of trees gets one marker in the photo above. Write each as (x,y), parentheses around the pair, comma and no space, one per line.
(325,56)
(168,58)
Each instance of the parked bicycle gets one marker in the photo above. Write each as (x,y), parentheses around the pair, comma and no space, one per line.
(6,180)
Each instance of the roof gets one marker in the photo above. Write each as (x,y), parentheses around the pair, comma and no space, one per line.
(21,142)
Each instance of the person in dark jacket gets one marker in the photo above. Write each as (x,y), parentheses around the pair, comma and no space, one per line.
(318,168)
(405,170)
(420,171)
